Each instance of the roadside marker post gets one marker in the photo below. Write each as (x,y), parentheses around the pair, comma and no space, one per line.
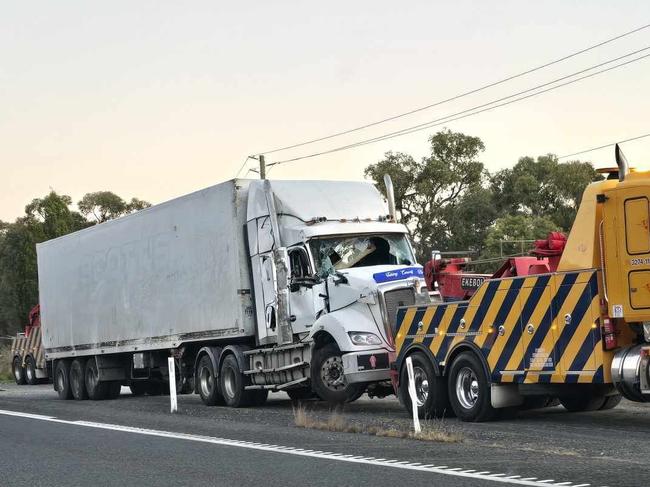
(412,393)
(172,384)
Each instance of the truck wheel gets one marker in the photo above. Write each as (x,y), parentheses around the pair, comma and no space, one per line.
(77,380)
(587,402)
(138,388)
(30,371)
(208,382)
(18,371)
(469,389)
(62,379)
(232,384)
(327,377)
(184,383)
(611,402)
(96,390)
(430,389)
(259,397)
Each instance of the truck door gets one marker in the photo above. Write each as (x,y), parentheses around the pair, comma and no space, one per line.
(637,247)
(301,298)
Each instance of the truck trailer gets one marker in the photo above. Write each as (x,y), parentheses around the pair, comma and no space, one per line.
(251,285)
(575,329)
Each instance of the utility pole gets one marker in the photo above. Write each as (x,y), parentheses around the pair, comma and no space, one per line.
(262,167)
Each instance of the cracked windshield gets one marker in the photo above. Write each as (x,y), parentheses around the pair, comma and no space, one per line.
(338,253)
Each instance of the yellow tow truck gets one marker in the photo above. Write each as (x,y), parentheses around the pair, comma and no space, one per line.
(579,334)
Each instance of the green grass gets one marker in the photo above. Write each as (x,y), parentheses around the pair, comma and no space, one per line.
(5,362)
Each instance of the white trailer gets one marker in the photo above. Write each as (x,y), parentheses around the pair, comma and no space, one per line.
(252,285)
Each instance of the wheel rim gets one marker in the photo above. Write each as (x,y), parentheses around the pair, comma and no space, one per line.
(467,389)
(30,372)
(331,373)
(60,380)
(229,382)
(207,381)
(421,386)
(17,371)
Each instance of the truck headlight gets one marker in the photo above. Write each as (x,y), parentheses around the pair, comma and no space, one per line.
(362,338)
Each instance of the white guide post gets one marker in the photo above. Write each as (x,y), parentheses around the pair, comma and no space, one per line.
(412,393)
(172,384)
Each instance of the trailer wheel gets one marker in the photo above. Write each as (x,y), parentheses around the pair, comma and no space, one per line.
(232,384)
(208,383)
(587,402)
(77,380)
(30,371)
(18,371)
(327,377)
(96,390)
(430,389)
(469,389)
(62,379)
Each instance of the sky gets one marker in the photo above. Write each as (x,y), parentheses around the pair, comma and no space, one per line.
(155,99)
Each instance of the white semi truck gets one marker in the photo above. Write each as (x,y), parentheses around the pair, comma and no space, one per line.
(251,285)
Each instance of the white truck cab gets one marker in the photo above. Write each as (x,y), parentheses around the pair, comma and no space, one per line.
(330,268)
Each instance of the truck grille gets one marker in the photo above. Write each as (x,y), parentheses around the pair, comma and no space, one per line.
(393,300)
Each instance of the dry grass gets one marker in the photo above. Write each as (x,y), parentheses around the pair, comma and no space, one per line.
(435,430)
(5,362)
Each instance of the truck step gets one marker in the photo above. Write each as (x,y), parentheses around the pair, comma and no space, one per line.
(278,387)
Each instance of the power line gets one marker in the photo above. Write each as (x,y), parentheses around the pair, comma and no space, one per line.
(461,95)
(242,166)
(604,146)
(480,108)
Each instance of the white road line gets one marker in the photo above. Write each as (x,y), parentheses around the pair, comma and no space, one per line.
(396,464)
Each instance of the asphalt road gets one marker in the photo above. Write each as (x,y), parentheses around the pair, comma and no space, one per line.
(136,441)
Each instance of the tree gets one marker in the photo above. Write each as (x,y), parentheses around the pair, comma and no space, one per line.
(106,205)
(508,233)
(426,191)
(543,187)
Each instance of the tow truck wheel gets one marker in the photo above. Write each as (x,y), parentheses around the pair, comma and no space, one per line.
(30,371)
(587,402)
(327,377)
(62,379)
(430,390)
(77,380)
(96,390)
(18,371)
(611,402)
(232,384)
(208,382)
(469,389)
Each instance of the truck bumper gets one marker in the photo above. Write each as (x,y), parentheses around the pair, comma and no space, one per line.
(367,366)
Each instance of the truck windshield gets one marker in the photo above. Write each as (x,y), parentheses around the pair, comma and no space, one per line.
(333,254)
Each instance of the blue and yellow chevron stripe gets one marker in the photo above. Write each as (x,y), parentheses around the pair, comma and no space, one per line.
(535,329)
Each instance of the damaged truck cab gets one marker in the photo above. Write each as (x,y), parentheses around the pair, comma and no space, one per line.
(330,268)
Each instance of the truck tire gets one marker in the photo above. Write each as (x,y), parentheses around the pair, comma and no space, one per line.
(469,389)
(431,390)
(587,402)
(18,371)
(611,402)
(30,371)
(231,380)
(208,382)
(62,379)
(96,390)
(78,380)
(259,397)
(327,377)
(301,394)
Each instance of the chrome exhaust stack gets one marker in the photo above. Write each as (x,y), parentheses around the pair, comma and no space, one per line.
(621,162)
(390,195)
